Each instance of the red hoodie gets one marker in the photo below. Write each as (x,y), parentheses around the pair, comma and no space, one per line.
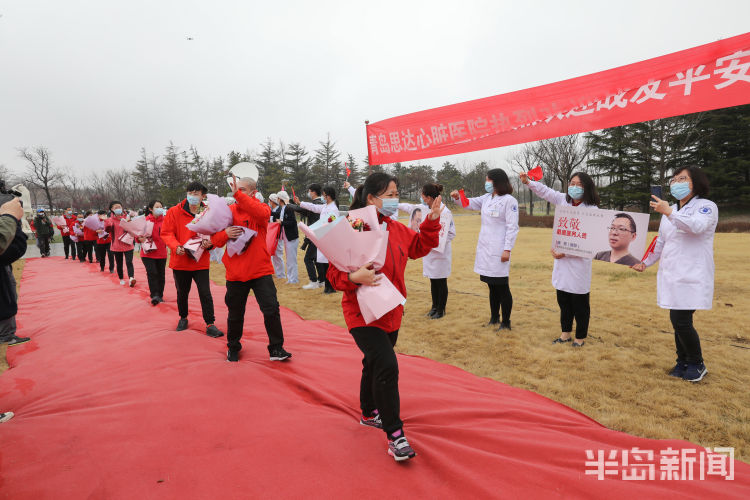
(255,262)
(403,244)
(89,235)
(161,247)
(175,233)
(112,226)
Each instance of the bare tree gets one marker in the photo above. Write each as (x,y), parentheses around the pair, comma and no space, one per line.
(40,172)
(563,155)
(523,161)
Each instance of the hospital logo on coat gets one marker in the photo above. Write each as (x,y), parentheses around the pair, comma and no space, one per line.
(705,210)
(514,208)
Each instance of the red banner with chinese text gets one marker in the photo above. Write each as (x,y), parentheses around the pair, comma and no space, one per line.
(707,77)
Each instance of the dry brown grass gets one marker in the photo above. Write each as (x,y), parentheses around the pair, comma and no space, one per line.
(620,377)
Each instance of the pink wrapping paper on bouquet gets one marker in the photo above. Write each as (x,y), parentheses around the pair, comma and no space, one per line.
(74,238)
(59,220)
(194,248)
(93,222)
(148,245)
(137,227)
(215,218)
(238,245)
(126,238)
(78,231)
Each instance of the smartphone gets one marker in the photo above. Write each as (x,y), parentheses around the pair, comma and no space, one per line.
(656,191)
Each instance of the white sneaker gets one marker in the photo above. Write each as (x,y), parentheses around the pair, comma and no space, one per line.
(4,417)
(132,282)
(311,286)
(122,282)
(321,284)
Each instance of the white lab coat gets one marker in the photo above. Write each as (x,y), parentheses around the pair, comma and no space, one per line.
(498,233)
(325,211)
(685,280)
(569,274)
(435,265)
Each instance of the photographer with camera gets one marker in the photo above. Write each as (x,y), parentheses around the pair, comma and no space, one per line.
(44,231)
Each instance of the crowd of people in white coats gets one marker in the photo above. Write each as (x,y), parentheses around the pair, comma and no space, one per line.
(684,281)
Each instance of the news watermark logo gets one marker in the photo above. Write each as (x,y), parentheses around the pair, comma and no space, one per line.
(665,465)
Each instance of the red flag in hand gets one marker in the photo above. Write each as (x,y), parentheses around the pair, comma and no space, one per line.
(650,248)
(293,194)
(535,174)
(463,198)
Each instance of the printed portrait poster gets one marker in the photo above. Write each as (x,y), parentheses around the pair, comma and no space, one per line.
(606,235)
(446,219)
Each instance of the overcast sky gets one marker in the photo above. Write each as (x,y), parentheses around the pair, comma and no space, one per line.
(94,81)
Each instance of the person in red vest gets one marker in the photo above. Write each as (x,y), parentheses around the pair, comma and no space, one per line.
(185,268)
(102,246)
(120,249)
(89,239)
(379,395)
(250,270)
(155,261)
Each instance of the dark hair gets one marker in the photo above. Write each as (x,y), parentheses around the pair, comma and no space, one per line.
(88,212)
(357,199)
(113,203)
(196,186)
(376,184)
(101,212)
(590,195)
(150,206)
(500,181)
(432,190)
(315,188)
(414,212)
(633,227)
(699,178)
(330,191)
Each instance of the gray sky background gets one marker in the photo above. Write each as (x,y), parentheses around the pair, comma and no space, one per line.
(94,81)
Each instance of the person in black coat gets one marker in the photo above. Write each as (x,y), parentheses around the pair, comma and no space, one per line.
(44,232)
(289,236)
(12,248)
(310,218)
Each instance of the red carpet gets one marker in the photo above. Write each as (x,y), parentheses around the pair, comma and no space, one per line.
(111,402)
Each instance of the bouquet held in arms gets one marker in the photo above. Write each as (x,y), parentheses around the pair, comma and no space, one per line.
(137,228)
(59,221)
(352,242)
(211,220)
(237,246)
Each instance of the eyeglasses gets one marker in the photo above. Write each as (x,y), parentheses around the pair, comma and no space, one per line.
(618,229)
(682,178)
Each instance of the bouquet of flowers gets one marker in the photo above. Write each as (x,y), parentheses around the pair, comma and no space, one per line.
(331,218)
(93,222)
(137,227)
(194,248)
(60,221)
(349,248)
(238,245)
(214,218)
(78,231)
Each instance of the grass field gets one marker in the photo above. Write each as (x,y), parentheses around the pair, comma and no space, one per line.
(620,377)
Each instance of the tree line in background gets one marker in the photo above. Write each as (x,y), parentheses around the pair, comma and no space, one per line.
(625,162)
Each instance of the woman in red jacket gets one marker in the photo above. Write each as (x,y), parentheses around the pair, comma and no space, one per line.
(379,396)
(155,261)
(120,248)
(102,246)
(89,240)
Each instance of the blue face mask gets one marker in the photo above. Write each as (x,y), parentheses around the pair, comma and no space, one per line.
(117,211)
(158,212)
(575,192)
(193,199)
(680,190)
(489,187)
(390,206)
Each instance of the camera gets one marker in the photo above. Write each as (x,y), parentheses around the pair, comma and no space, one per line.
(7,195)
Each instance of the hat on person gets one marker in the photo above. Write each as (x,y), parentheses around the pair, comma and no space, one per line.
(274,198)
(40,210)
(284,196)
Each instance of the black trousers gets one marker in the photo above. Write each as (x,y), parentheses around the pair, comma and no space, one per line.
(323,274)
(103,253)
(79,249)
(685,337)
(311,254)
(155,272)
(378,388)
(69,246)
(43,244)
(128,262)
(87,250)
(439,289)
(500,298)
(183,281)
(236,301)
(574,306)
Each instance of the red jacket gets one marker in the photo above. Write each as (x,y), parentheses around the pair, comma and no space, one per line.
(112,226)
(161,247)
(104,241)
(403,244)
(70,222)
(175,233)
(255,262)
(89,235)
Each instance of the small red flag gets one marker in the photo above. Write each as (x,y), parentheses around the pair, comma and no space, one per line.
(282,188)
(535,174)
(463,198)
(650,248)
(293,193)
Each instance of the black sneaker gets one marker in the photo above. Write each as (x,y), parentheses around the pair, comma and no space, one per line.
(694,372)
(279,354)
(504,326)
(154,300)
(214,332)
(400,450)
(438,315)
(182,324)
(15,340)
(233,356)
(329,290)
(431,313)
(493,322)
(679,370)
(372,421)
